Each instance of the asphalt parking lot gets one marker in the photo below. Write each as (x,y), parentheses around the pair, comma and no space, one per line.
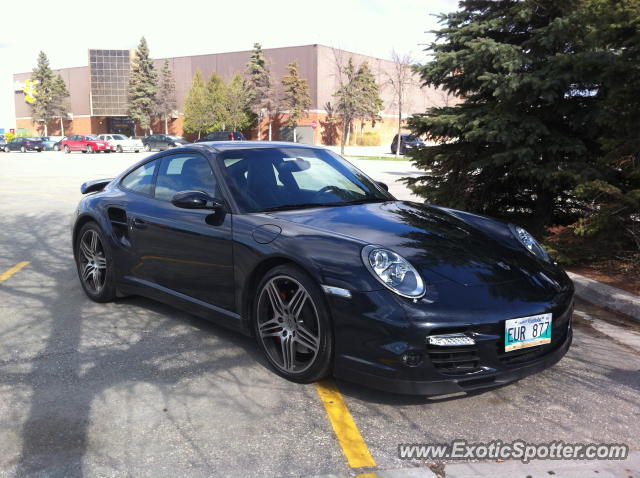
(140,389)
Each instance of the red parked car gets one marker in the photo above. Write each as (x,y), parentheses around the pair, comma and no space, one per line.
(87,143)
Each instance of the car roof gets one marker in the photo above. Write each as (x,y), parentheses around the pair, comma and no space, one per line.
(220,146)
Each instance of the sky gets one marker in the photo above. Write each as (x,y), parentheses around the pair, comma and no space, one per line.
(67,30)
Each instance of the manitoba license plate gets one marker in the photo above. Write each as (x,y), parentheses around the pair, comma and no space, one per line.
(527,332)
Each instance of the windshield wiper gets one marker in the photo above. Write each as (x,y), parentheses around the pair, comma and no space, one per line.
(286,207)
(365,200)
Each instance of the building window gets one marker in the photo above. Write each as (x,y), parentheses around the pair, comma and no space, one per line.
(109,73)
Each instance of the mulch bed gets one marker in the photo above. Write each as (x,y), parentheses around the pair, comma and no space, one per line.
(621,272)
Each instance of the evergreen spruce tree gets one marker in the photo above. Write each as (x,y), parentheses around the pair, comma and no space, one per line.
(196,107)
(51,91)
(370,104)
(295,97)
(143,84)
(166,96)
(262,95)
(546,132)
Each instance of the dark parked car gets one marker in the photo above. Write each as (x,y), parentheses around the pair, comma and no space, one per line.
(223,136)
(24,144)
(327,270)
(3,142)
(161,142)
(408,142)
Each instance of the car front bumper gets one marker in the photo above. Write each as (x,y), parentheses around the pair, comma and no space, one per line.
(386,347)
(129,148)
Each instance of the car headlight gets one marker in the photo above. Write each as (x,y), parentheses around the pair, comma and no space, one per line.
(529,242)
(393,271)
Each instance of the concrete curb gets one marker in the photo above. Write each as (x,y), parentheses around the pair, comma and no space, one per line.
(606,296)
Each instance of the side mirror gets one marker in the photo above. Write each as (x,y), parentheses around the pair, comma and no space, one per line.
(195,200)
(383,186)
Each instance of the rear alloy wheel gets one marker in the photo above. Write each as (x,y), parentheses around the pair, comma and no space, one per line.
(23,149)
(89,149)
(6,149)
(66,149)
(119,149)
(56,148)
(95,267)
(147,148)
(292,325)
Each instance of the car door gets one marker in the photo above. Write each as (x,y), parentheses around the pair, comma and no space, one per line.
(187,251)
(76,143)
(162,142)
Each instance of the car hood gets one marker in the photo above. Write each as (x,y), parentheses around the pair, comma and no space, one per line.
(439,244)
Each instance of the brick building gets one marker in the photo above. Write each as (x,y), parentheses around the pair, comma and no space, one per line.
(97,102)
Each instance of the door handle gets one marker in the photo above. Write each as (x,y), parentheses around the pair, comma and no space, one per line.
(139,223)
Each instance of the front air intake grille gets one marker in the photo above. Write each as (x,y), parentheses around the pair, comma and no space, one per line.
(454,360)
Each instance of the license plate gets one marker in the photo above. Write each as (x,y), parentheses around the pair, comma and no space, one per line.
(527,332)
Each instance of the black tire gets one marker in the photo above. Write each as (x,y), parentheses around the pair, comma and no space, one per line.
(309,332)
(106,291)
(66,149)
(119,149)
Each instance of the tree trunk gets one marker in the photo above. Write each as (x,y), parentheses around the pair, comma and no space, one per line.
(343,136)
(61,126)
(295,139)
(269,129)
(348,133)
(46,129)
(542,212)
(399,142)
(166,125)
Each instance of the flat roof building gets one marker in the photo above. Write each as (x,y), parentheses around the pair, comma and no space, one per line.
(98,92)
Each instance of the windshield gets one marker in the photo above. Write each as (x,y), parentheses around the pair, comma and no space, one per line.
(119,137)
(175,138)
(268,179)
(91,136)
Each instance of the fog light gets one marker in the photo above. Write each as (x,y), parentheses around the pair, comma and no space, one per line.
(411,359)
(450,340)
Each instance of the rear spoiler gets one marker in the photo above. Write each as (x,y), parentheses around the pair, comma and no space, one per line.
(94,186)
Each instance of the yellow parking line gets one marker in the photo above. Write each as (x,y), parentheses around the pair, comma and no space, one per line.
(351,442)
(8,273)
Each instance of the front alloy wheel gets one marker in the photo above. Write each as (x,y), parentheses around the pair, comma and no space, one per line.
(89,149)
(147,148)
(23,149)
(93,261)
(292,325)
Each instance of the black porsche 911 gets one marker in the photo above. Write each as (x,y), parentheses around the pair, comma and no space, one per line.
(328,271)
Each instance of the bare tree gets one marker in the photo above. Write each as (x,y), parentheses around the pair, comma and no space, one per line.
(400,78)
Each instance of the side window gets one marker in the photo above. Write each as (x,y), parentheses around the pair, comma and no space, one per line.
(140,180)
(184,172)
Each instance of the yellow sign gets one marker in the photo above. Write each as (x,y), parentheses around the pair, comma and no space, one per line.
(29,91)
